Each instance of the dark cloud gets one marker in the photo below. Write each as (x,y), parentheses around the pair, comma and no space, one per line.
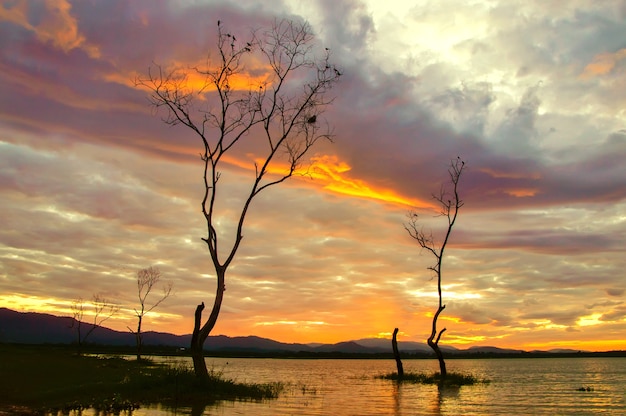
(94,185)
(615,292)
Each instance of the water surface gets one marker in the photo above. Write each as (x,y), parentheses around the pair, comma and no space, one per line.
(524,386)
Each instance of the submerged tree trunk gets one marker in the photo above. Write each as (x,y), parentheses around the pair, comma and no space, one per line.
(442,363)
(434,343)
(396,353)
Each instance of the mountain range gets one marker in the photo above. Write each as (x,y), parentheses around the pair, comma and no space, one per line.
(40,328)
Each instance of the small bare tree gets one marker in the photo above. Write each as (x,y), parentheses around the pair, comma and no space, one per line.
(266,94)
(102,310)
(146,280)
(450,203)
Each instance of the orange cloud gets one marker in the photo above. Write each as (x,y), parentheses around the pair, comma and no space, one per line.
(511,175)
(334,174)
(188,79)
(603,64)
(516,192)
(521,192)
(57,26)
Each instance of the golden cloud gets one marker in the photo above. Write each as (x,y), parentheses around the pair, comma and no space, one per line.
(57,26)
(333,173)
(196,77)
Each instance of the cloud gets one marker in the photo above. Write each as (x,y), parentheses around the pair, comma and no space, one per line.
(94,185)
(50,21)
(615,292)
(604,64)
(616,315)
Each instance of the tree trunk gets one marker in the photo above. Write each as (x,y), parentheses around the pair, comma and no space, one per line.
(197,346)
(80,340)
(439,354)
(138,338)
(199,365)
(434,344)
(200,334)
(396,354)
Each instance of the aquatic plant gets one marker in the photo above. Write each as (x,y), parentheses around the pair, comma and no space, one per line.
(450,379)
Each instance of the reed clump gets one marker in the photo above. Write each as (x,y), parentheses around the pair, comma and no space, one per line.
(452,379)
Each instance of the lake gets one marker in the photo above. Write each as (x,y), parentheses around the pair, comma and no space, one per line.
(524,386)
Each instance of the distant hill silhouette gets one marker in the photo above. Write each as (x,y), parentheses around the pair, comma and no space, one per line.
(384,345)
(41,328)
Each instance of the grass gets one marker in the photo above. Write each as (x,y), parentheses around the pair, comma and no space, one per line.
(452,379)
(34,379)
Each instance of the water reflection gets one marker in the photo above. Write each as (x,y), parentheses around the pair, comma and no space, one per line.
(349,387)
(446,398)
(397,397)
(432,399)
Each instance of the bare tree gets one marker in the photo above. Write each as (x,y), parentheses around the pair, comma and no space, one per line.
(449,203)
(78,312)
(277,117)
(146,280)
(102,310)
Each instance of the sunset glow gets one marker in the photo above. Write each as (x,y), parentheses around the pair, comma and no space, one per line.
(94,185)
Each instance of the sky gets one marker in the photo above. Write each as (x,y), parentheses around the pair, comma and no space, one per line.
(530,94)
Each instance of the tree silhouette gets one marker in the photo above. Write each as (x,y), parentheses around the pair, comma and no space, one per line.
(449,203)
(267,95)
(102,309)
(396,353)
(146,280)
